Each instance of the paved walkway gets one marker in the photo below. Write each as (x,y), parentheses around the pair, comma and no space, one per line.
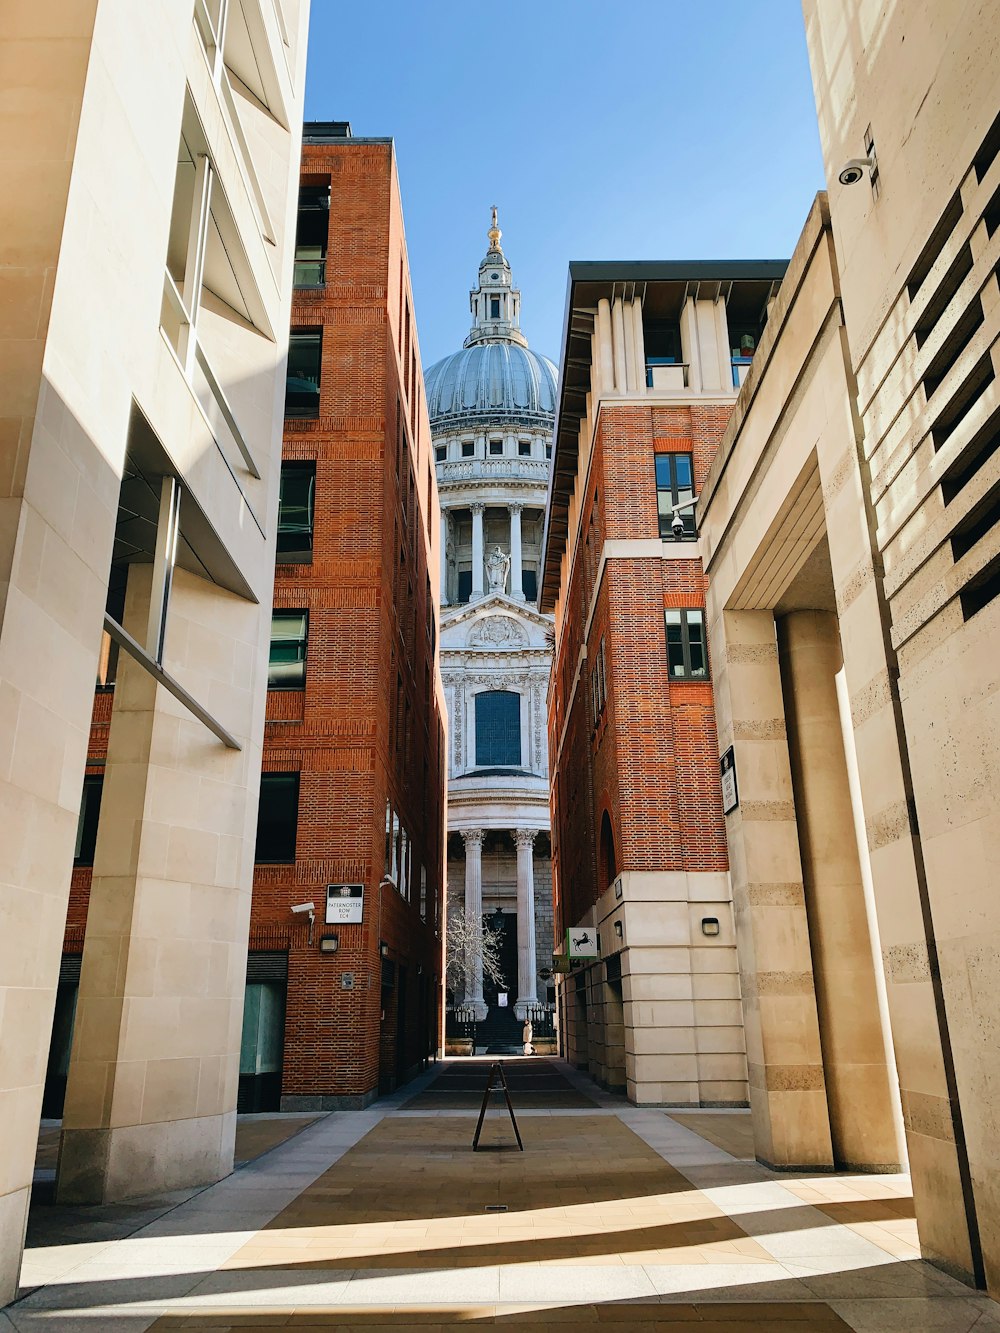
(385,1219)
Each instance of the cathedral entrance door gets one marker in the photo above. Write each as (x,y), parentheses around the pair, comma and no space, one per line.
(500,1032)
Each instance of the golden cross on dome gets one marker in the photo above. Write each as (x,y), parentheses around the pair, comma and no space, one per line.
(494,232)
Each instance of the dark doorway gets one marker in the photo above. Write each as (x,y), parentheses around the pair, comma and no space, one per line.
(501,1031)
(262,1047)
(402,1061)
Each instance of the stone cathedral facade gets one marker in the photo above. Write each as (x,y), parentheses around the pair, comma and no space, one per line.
(492,409)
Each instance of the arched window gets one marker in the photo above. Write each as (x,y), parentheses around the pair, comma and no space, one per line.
(498,729)
(609,865)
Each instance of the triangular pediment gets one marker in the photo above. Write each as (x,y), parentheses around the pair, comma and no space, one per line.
(495,622)
(494,602)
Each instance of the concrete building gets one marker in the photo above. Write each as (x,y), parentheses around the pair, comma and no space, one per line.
(149,179)
(849,532)
(652,359)
(491,410)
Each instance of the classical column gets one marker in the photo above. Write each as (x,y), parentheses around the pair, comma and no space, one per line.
(526,992)
(473,839)
(477,551)
(444,557)
(516,590)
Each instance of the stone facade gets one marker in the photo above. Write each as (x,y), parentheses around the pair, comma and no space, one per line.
(490,406)
(141,407)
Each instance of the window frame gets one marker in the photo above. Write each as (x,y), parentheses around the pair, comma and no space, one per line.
(673,489)
(303,553)
(302,641)
(480,739)
(687,617)
(298,336)
(88,819)
(265,780)
(599,685)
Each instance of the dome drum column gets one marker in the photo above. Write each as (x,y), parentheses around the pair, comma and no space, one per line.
(444,557)
(478,564)
(516,582)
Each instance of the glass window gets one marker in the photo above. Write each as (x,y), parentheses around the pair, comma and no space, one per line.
(311,236)
(404,863)
(524,448)
(674,485)
(662,341)
(468,448)
(302,380)
(387,866)
(277,817)
(286,667)
(295,513)
(494,307)
(90,813)
(464,584)
(440,453)
(496,446)
(498,728)
(687,658)
(529,582)
(263,1038)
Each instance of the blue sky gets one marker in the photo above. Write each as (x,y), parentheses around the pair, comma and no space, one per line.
(642,129)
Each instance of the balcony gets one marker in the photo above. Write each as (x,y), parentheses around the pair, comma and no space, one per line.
(494,469)
(740,369)
(672,375)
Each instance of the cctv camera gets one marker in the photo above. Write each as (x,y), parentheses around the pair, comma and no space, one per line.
(304,907)
(854,170)
(677,526)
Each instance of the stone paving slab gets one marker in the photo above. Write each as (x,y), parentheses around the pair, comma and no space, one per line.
(614,1216)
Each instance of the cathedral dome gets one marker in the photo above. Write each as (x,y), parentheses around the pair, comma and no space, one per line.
(495,378)
(491,380)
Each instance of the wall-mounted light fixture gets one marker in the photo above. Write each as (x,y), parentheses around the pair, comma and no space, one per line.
(329,943)
(383,948)
(618,929)
(710,925)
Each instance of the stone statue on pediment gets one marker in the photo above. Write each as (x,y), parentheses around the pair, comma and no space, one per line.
(497,569)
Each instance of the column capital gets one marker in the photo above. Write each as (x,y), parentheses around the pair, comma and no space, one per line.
(474,836)
(525,837)
(478,506)
(516,507)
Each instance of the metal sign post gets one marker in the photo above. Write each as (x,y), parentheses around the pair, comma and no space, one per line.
(496,1073)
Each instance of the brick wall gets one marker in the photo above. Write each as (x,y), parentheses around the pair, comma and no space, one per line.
(651,762)
(366,729)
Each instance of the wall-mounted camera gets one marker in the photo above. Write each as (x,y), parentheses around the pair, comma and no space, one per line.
(852,172)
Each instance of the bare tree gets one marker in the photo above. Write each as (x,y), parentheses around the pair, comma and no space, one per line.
(469,939)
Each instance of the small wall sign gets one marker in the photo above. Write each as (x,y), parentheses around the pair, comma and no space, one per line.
(730,791)
(581,942)
(344,904)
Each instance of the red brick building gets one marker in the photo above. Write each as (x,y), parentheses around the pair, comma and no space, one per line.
(342,998)
(652,360)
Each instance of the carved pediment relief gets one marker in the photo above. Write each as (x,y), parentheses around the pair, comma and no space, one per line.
(497,632)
